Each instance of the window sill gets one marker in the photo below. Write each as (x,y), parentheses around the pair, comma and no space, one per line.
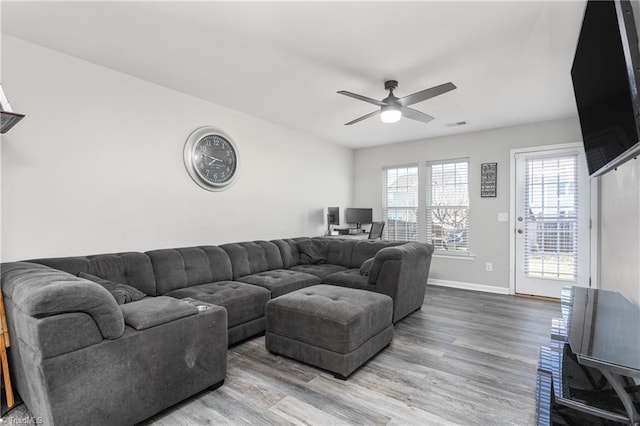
(441,255)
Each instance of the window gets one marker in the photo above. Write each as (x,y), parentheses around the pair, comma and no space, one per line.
(551,203)
(400,203)
(448,205)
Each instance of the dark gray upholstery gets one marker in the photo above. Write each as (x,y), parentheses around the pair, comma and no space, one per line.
(288,251)
(122,293)
(154,311)
(129,268)
(351,278)
(401,272)
(342,365)
(320,270)
(246,330)
(72,364)
(41,291)
(281,281)
(331,320)
(189,266)
(366,249)
(75,361)
(313,251)
(365,268)
(252,257)
(339,252)
(53,335)
(243,302)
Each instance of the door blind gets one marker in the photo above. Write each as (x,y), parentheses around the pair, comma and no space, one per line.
(551,218)
(400,203)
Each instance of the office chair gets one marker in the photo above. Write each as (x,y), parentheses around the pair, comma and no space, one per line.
(376,230)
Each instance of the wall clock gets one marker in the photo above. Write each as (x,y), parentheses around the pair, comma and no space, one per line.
(211,158)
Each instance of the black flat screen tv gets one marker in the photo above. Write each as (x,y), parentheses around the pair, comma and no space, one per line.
(358,216)
(605,75)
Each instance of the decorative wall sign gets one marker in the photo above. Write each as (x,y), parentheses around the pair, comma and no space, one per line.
(488,179)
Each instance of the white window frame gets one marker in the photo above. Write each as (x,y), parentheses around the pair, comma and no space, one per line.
(439,250)
(385,207)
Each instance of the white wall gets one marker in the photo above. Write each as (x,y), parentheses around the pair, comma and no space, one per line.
(620,230)
(96,166)
(489,239)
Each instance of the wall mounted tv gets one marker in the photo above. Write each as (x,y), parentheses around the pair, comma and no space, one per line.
(605,75)
(358,216)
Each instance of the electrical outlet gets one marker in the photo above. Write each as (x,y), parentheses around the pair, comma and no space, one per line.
(503,217)
(488,267)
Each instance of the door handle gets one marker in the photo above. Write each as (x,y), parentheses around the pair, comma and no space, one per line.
(520,231)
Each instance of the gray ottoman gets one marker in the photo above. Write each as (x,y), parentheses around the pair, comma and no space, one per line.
(334,328)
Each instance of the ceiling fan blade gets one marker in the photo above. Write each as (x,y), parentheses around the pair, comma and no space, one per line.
(364,117)
(414,114)
(362,98)
(423,95)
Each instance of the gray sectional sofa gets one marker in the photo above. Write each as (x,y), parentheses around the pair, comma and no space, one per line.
(77,357)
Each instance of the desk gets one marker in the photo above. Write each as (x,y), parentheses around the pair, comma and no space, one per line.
(593,358)
(350,236)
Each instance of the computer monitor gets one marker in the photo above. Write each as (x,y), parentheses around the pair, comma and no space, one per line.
(358,216)
(333,215)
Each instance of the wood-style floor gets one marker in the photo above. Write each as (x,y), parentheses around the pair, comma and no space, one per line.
(466,358)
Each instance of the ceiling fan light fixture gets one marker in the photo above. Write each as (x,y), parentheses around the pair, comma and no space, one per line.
(390,114)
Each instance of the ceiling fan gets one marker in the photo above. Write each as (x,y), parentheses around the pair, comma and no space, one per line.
(393,108)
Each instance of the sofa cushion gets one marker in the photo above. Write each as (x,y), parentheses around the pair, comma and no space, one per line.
(281,281)
(129,268)
(188,266)
(252,257)
(351,278)
(288,251)
(121,292)
(339,251)
(154,311)
(366,267)
(244,302)
(320,270)
(313,251)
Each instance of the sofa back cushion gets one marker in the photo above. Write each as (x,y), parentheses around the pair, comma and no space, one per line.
(289,250)
(313,251)
(253,257)
(131,268)
(339,252)
(366,249)
(188,266)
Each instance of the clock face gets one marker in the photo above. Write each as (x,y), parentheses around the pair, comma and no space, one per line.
(215,159)
(211,158)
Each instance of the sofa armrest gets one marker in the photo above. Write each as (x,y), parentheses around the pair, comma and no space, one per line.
(40,291)
(401,272)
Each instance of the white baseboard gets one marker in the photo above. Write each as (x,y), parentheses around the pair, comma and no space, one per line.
(469,286)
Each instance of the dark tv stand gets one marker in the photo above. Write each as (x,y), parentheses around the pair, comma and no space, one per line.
(586,375)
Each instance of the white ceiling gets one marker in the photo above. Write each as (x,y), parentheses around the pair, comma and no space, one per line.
(285,61)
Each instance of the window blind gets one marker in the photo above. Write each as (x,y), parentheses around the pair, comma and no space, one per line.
(448,205)
(551,218)
(400,203)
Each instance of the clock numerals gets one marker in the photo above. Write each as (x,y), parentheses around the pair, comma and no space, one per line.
(215,159)
(211,158)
